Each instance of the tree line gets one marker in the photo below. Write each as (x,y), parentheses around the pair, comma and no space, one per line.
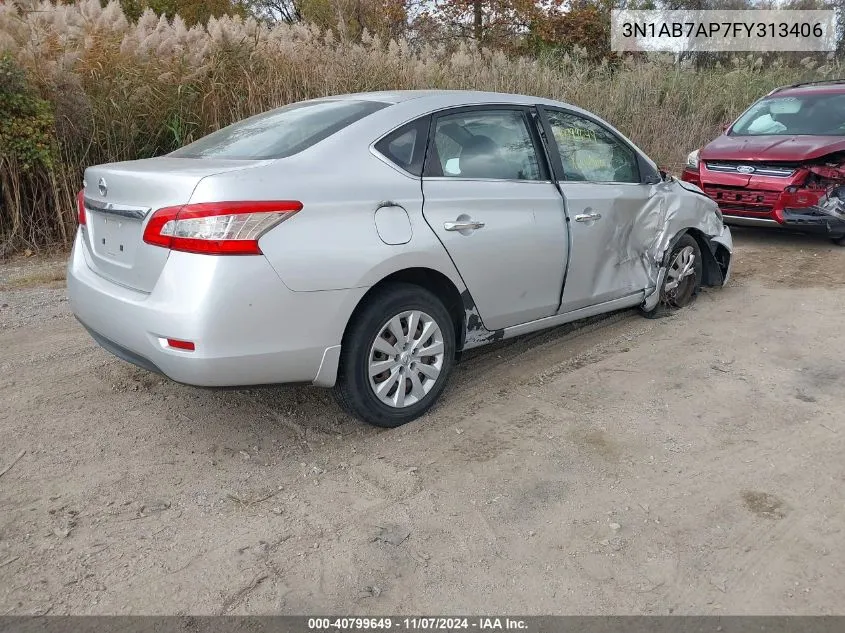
(524,27)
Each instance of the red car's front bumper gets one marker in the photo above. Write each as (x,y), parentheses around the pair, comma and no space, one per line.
(765,200)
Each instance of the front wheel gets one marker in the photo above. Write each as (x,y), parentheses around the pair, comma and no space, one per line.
(839,241)
(396,356)
(682,280)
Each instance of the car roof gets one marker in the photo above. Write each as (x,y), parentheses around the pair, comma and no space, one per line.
(447,97)
(408,105)
(821,88)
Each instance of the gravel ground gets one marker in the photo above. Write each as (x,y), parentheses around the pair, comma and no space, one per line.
(685,465)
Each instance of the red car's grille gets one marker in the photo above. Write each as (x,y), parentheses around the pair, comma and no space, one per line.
(742,200)
(776,170)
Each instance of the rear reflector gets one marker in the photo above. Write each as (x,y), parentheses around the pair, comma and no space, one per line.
(80,207)
(217,228)
(177,344)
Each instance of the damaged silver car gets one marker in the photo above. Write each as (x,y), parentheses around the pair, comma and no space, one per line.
(362,242)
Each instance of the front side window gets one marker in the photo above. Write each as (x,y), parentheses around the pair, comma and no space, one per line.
(484,144)
(589,152)
(811,114)
(279,133)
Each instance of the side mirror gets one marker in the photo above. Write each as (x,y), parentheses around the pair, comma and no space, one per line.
(654,179)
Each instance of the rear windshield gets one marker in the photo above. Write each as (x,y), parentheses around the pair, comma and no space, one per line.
(811,114)
(281,132)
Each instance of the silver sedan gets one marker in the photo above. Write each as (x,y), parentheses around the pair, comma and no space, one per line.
(363,241)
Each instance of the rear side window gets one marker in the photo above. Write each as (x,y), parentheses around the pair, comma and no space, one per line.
(490,144)
(406,146)
(279,133)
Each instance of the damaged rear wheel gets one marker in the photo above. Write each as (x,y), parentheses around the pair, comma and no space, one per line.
(683,278)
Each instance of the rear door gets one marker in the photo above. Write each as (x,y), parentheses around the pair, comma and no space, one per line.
(489,197)
(605,190)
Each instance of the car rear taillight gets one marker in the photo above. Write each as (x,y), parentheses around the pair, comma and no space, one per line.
(217,228)
(188,346)
(80,207)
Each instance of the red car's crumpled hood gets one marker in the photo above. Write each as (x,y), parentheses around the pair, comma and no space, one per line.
(765,148)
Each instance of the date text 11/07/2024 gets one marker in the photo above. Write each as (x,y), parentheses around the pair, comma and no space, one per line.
(417,624)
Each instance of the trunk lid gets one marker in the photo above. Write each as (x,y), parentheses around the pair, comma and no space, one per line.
(119,200)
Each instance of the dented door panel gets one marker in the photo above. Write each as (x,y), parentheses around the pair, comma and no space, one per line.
(609,253)
(633,253)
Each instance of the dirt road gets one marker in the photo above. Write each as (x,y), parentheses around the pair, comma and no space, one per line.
(686,465)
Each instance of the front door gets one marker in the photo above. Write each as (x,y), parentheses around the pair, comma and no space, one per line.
(608,207)
(489,198)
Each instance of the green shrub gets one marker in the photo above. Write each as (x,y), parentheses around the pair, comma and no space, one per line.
(27,127)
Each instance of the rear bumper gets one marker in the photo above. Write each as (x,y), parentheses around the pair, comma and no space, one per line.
(121,352)
(247,326)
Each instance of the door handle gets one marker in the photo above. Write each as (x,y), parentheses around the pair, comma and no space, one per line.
(587,217)
(468,225)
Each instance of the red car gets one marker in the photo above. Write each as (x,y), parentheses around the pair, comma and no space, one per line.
(781,163)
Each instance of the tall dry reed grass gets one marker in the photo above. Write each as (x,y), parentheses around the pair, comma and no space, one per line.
(121,90)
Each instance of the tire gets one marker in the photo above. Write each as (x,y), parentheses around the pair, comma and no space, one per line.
(672,299)
(839,241)
(370,342)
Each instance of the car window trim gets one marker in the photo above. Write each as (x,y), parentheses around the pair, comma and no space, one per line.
(643,167)
(425,122)
(546,175)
